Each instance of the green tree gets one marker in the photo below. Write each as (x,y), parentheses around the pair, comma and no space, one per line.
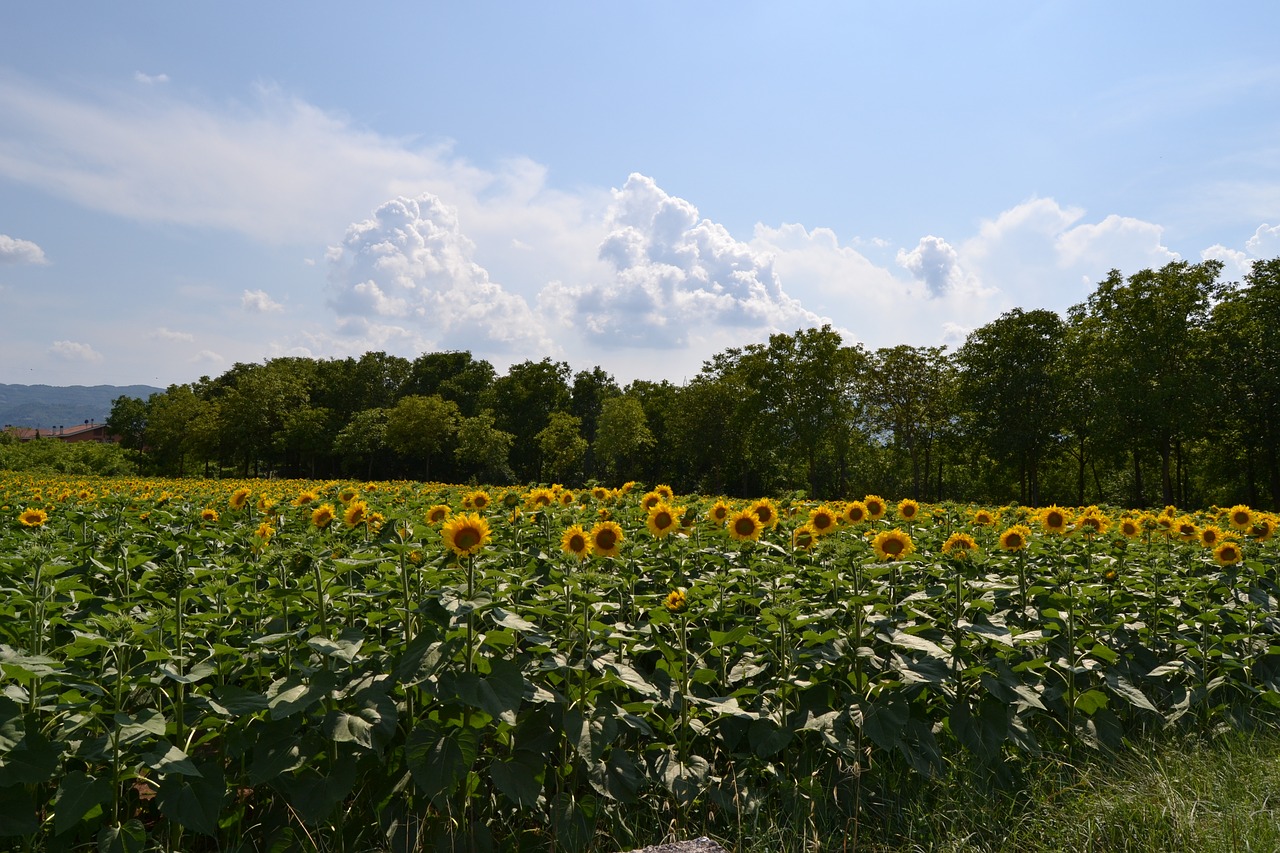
(522,403)
(363,441)
(1149,349)
(453,375)
(420,427)
(128,419)
(622,434)
(484,449)
(562,447)
(1013,388)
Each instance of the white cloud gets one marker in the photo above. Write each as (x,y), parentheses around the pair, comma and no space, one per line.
(164,334)
(150,79)
(258,302)
(675,278)
(206,356)
(15,251)
(935,262)
(1235,263)
(408,276)
(1265,242)
(73,351)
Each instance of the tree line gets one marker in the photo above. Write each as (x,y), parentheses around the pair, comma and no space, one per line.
(1162,387)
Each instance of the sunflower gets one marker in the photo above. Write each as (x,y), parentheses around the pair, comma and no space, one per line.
(822,519)
(347,495)
(983,518)
(1240,517)
(892,544)
(566,498)
(745,525)
(1262,528)
(1210,536)
(600,493)
(264,532)
(1186,529)
(767,511)
(855,512)
(1130,527)
(677,601)
(466,534)
(719,513)
(908,509)
(663,519)
(477,500)
(1015,538)
(803,538)
(538,498)
(239,498)
(209,514)
(355,513)
(33,517)
(666,491)
(959,545)
(1227,553)
(437,514)
(650,500)
(304,498)
(1092,522)
(576,542)
(322,516)
(1055,519)
(875,507)
(606,538)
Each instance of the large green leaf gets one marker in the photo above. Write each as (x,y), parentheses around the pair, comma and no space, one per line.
(79,796)
(194,802)
(33,760)
(440,758)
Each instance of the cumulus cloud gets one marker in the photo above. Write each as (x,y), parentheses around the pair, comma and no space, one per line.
(150,79)
(15,251)
(1265,242)
(208,357)
(258,302)
(164,334)
(408,275)
(74,351)
(936,263)
(1040,254)
(674,276)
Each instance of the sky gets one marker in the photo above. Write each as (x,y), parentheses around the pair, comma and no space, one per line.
(635,186)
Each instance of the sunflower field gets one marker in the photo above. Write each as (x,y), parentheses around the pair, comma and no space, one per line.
(272,665)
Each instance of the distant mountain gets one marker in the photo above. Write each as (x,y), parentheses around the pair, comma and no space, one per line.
(47,406)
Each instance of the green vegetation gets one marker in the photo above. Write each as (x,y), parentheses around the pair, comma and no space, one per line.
(249,665)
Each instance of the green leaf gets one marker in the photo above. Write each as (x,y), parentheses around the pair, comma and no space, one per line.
(146,722)
(1126,690)
(498,694)
(32,761)
(767,738)
(1091,701)
(314,793)
(17,811)
(440,759)
(423,658)
(617,778)
(235,701)
(130,837)
(684,779)
(346,648)
(165,758)
(517,779)
(273,756)
(194,802)
(590,736)
(199,672)
(79,796)
(288,696)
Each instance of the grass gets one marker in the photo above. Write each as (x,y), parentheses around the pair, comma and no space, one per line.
(1182,794)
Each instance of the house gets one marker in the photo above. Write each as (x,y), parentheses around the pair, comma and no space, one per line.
(87,431)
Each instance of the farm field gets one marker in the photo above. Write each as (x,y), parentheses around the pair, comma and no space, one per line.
(264,664)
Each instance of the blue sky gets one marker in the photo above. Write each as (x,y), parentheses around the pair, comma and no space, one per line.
(185,186)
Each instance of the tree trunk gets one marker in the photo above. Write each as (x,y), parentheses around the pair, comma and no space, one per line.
(1139,499)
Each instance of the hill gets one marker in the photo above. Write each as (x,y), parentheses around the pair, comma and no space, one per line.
(46,406)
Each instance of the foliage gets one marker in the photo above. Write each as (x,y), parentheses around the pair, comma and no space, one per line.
(201,665)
